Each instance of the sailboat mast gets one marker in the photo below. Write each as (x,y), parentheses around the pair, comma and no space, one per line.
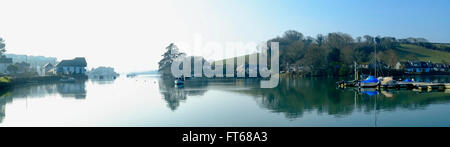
(356,72)
(376,61)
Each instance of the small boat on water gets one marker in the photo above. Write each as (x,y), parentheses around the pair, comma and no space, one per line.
(179,81)
(370,82)
(131,75)
(343,84)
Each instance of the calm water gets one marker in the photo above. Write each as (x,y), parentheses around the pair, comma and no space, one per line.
(149,101)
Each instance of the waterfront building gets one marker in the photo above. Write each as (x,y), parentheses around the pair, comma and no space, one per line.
(48,69)
(76,66)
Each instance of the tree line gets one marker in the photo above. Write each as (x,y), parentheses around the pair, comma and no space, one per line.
(332,54)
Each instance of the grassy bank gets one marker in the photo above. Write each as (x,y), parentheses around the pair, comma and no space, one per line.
(409,52)
(5,82)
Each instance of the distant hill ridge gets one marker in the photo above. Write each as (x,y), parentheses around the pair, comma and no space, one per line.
(33,60)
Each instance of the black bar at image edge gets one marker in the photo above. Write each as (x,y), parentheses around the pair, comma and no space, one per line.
(224,135)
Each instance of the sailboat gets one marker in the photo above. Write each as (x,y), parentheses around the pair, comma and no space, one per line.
(354,83)
(371,81)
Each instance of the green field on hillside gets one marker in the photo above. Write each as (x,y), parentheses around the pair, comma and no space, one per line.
(408,52)
(413,52)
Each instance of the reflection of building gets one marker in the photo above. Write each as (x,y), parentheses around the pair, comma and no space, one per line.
(66,90)
(4,63)
(76,90)
(76,66)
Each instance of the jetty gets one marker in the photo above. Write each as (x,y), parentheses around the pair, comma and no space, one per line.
(430,86)
(402,85)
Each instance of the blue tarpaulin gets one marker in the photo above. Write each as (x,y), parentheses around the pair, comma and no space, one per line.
(407,80)
(370,79)
(371,93)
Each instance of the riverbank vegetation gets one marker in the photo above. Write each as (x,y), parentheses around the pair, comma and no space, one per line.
(334,54)
(22,69)
(5,82)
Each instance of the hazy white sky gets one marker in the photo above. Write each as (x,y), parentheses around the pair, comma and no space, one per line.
(131,35)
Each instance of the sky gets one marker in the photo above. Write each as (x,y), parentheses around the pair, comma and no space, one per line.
(131,35)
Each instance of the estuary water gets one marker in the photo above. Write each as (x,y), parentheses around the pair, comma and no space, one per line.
(150,101)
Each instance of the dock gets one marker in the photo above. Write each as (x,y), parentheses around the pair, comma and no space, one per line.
(404,85)
(439,86)
(421,85)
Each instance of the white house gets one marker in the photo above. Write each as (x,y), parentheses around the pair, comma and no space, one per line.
(398,66)
(76,66)
(47,69)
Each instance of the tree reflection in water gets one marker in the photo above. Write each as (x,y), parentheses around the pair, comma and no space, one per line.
(294,97)
(75,90)
(3,101)
(174,94)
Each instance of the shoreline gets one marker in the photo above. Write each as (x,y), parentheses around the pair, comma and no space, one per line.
(15,82)
(299,75)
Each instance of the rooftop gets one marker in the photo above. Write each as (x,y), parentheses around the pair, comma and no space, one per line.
(78,61)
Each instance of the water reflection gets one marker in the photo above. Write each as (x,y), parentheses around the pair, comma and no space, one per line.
(102,80)
(295,102)
(294,97)
(174,94)
(2,104)
(72,90)
(76,90)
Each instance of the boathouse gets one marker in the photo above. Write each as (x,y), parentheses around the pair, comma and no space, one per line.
(76,66)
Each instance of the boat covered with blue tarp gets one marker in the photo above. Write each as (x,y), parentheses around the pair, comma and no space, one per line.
(371,81)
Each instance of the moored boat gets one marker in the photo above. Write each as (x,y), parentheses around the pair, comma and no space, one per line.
(370,82)
(179,81)
(388,82)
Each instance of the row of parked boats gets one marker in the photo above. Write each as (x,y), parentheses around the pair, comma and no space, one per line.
(389,82)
